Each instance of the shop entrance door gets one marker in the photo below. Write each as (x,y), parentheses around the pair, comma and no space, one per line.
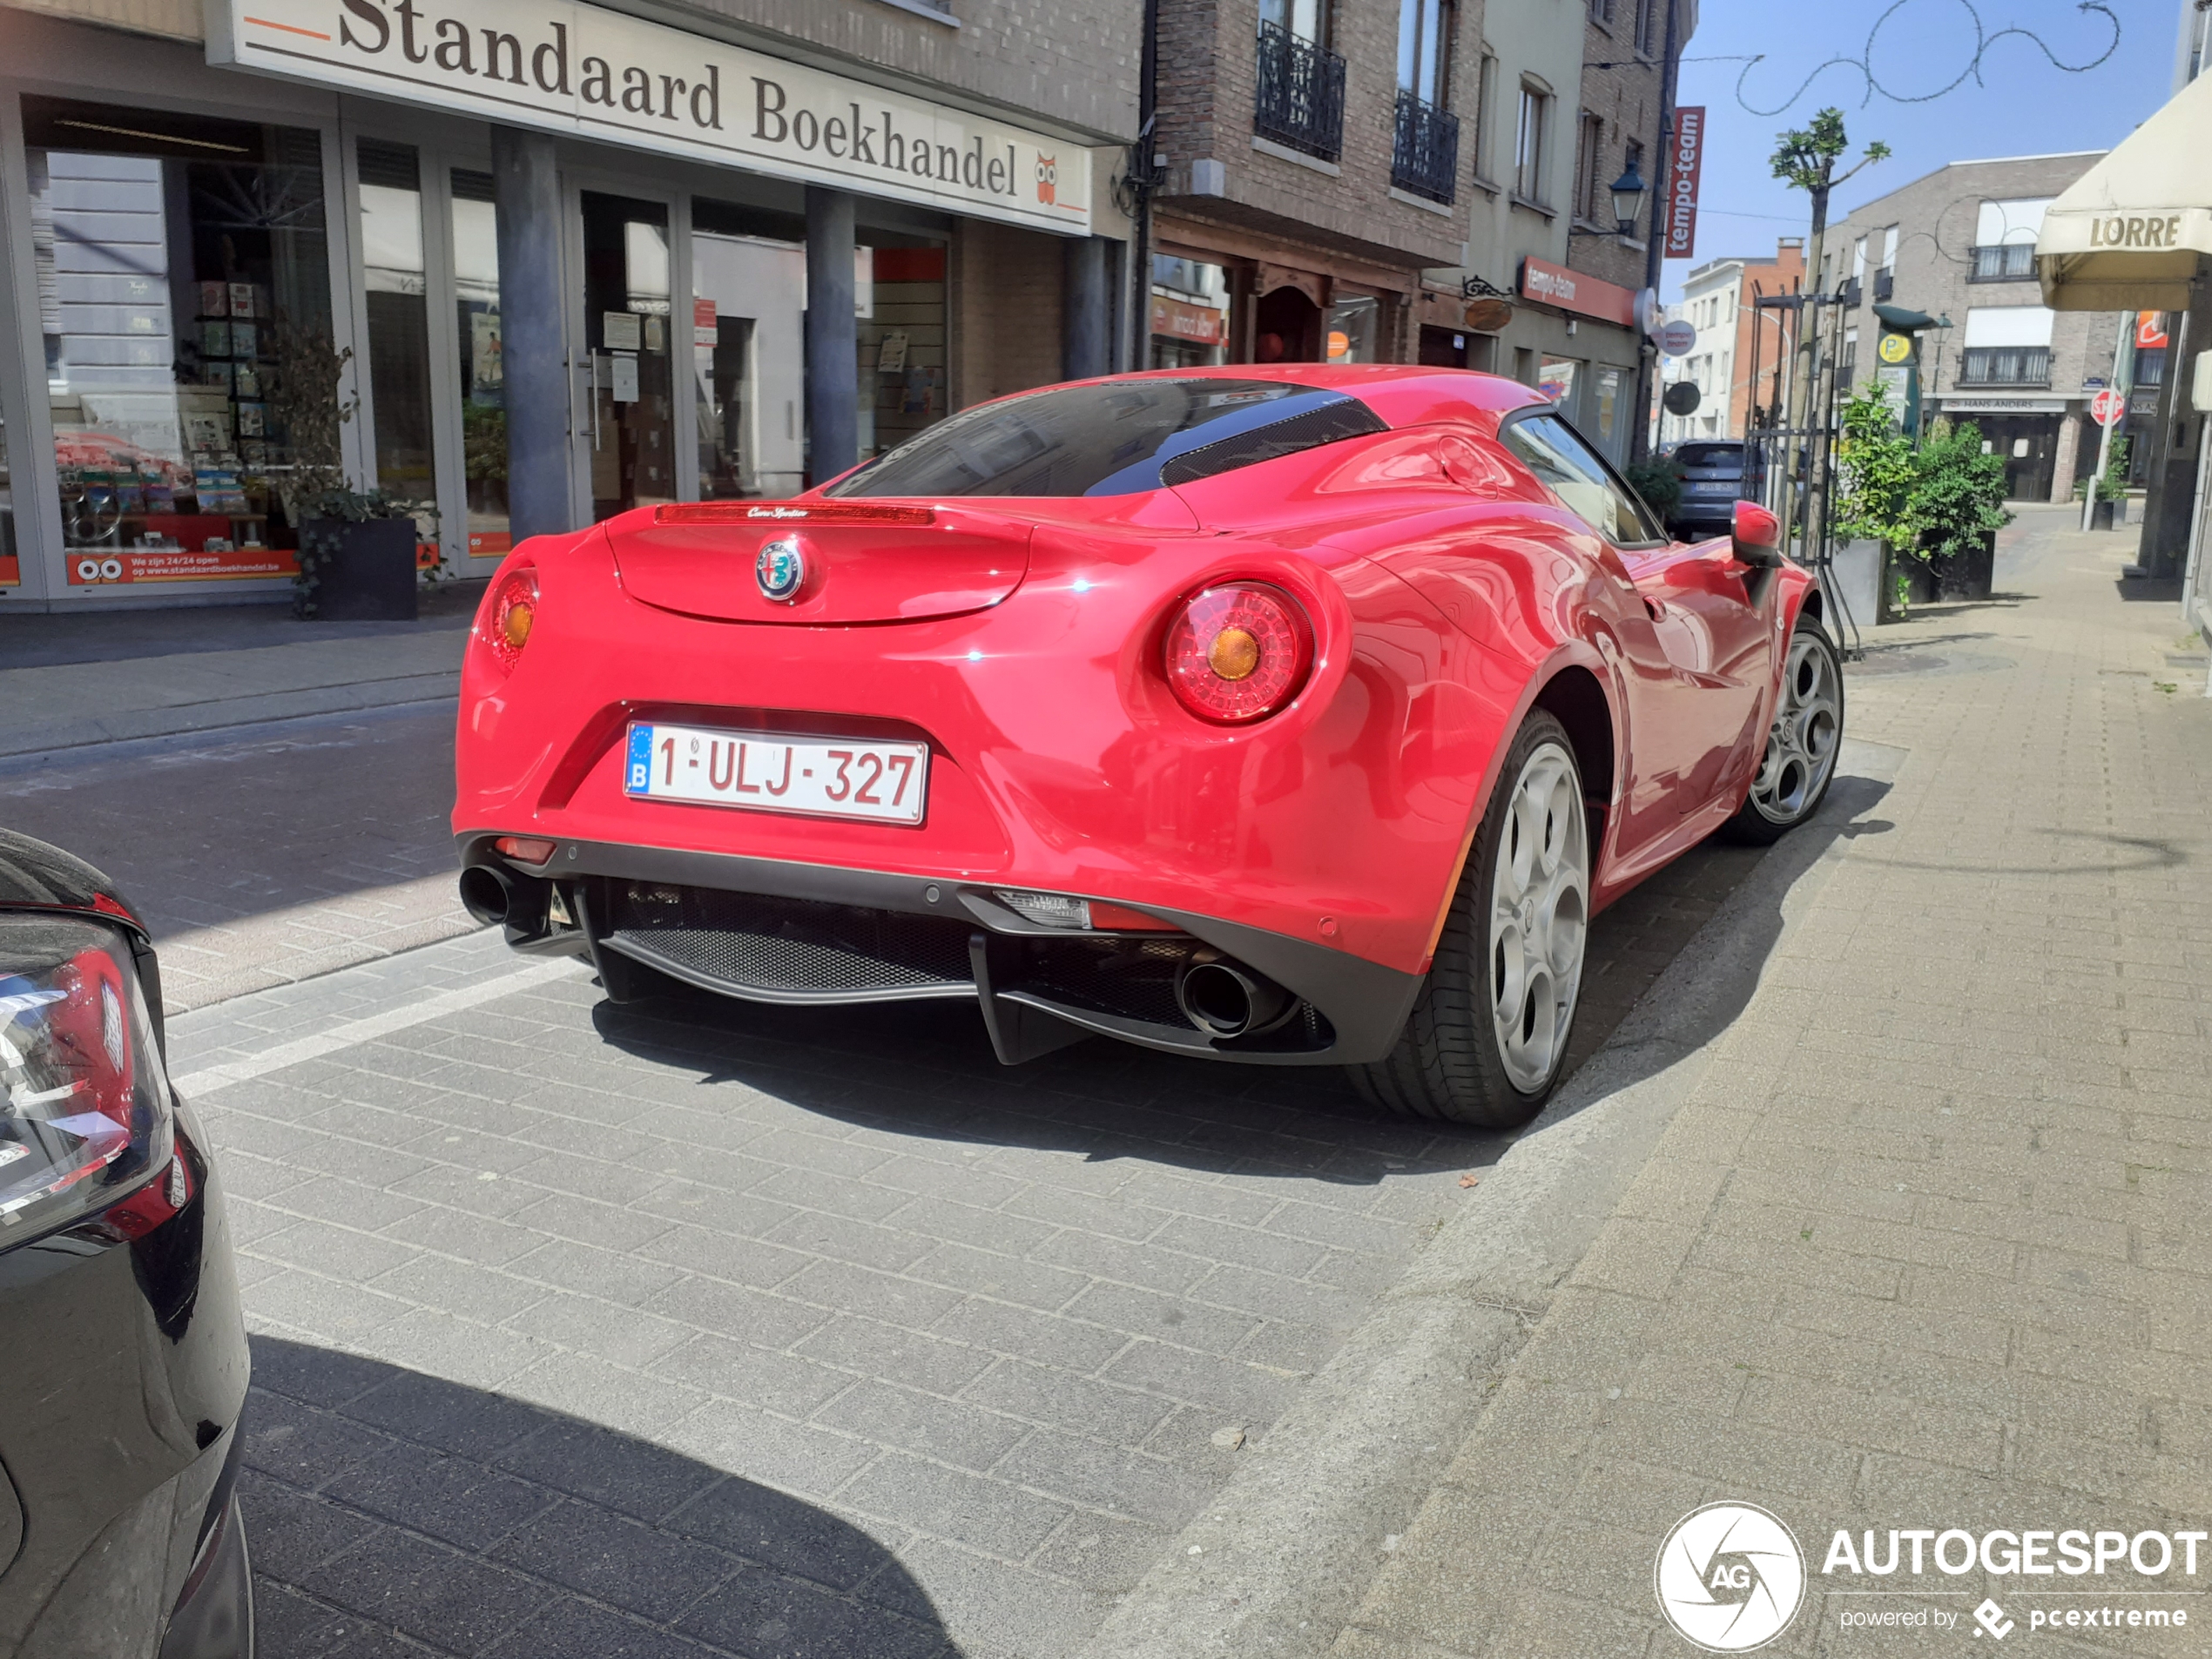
(627,438)
(2029,446)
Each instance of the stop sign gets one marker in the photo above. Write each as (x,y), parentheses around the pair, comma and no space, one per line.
(2108,408)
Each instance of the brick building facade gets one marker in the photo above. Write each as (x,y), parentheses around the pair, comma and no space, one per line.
(1308,185)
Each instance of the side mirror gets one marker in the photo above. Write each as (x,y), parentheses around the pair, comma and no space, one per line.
(1757,535)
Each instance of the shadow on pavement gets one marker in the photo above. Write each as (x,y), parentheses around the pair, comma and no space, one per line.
(927,1069)
(2165,590)
(382,1504)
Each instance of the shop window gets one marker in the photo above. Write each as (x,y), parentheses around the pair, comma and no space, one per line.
(748,313)
(1355,329)
(1189,313)
(1610,390)
(399,319)
(902,338)
(626,317)
(183,280)
(1556,379)
(483,377)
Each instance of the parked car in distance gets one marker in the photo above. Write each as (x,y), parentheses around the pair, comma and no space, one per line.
(1292,715)
(126,1361)
(1712,477)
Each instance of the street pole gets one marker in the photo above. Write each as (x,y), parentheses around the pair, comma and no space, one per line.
(1795,446)
(2104,429)
(1654,249)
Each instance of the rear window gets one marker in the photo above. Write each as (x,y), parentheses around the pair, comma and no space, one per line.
(1113,438)
(1729,457)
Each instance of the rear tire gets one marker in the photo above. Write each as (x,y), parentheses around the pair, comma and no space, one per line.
(1801,743)
(1487,1041)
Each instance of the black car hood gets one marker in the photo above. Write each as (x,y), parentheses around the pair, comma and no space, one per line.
(35,876)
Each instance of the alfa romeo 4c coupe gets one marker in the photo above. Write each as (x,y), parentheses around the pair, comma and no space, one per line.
(1294,716)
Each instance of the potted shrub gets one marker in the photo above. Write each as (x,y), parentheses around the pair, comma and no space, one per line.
(1956,507)
(357,557)
(1874,478)
(2110,510)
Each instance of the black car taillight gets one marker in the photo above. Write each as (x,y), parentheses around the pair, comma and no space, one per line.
(85,1109)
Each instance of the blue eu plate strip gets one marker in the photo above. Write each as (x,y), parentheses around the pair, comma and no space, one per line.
(639,767)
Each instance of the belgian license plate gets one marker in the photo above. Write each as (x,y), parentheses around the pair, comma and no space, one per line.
(827,777)
(1720,488)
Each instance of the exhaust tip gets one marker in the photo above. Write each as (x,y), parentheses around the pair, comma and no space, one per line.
(1224,999)
(486,894)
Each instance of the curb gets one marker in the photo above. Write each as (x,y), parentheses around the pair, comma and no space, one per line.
(1286,1550)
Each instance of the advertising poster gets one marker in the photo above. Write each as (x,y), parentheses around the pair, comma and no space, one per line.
(96,566)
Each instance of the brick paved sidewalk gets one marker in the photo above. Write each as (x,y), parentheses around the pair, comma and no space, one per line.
(1927,1245)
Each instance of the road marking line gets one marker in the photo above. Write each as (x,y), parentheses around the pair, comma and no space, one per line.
(210,1078)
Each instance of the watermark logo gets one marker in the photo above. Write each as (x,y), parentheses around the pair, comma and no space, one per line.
(1992,1619)
(1729,1577)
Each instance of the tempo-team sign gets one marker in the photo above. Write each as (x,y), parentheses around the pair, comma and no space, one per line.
(590,73)
(1685,161)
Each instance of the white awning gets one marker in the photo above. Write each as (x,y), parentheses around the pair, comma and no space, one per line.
(2129,234)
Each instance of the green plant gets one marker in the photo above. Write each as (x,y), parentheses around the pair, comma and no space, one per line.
(483,441)
(322,514)
(1657,482)
(1957,492)
(1876,472)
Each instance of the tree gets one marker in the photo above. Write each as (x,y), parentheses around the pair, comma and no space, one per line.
(1804,158)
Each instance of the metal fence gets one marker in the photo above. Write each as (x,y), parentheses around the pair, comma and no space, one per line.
(1425,159)
(1300,101)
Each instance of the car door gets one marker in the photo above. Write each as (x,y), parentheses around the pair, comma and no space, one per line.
(1691,710)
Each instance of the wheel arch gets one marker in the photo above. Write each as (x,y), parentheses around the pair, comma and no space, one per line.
(1575,697)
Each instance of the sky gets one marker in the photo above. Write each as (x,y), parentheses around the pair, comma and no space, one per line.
(2025,105)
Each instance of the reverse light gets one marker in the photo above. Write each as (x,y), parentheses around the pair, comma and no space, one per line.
(1238,653)
(524,849)
(1079,916)
(509,614)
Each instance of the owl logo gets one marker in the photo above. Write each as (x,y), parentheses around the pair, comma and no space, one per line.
(1047,178)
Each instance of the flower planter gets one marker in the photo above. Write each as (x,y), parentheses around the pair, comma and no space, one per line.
(1968,575)
(2108,515)
(1920,582)
(370,577)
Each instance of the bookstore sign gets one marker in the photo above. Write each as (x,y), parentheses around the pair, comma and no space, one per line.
(591,74)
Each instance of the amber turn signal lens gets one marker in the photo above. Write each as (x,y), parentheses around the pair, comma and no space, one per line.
(1238,653)
(1233,654)
(508,615)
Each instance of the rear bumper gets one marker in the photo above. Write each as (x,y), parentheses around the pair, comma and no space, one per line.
(119,1409)
(776,931)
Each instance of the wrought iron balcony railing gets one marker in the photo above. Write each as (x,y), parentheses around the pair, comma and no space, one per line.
(2003,262)
(1300,101)
(1424,159)
(2006,366)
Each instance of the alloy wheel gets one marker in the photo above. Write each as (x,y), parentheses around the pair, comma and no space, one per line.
(1539,918)
(1801,743)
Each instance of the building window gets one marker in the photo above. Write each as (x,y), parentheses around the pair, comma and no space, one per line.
(1528,143)
(1355,329)
(183,289)
(1602,12)
(1486,92)
(2007,262)
(2006,346)
(1588,155)
(1424,151)
(1648,27)
(1848,360)
(1298,100)
(2005,234)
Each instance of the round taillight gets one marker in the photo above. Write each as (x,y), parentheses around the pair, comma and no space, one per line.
(1238,653)
(511,614)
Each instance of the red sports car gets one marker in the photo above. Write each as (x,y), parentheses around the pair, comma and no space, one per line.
(1294,715)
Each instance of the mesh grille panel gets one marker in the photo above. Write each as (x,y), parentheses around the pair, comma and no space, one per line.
(792,944)
(1332,423)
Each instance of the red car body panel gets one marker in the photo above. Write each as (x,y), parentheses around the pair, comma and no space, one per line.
(1449,593)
